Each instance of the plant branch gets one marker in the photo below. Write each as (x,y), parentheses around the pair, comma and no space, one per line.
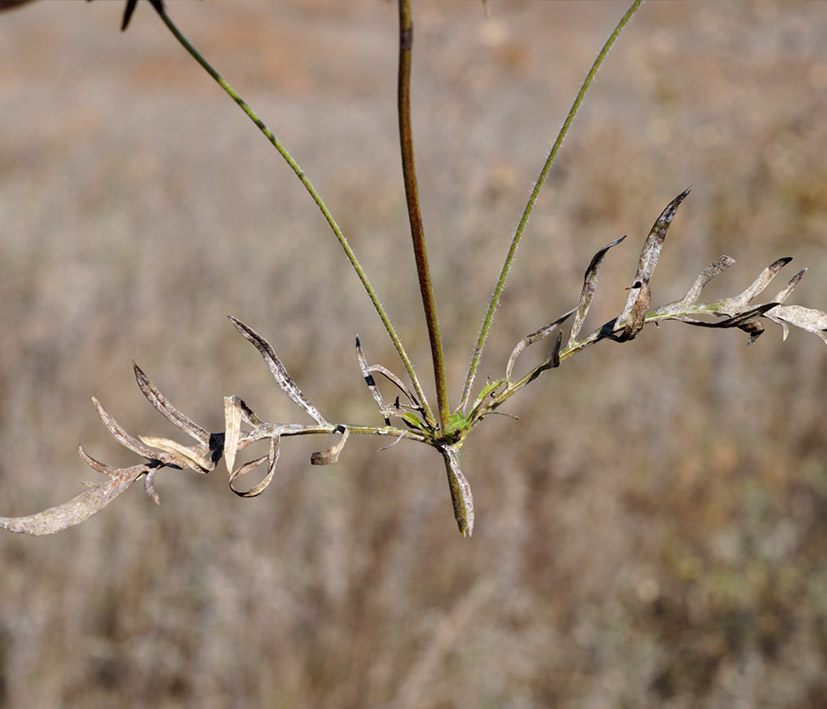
(294,166)
(495,297)
(414,214)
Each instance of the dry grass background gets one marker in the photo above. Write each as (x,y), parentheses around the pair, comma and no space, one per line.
(652,533)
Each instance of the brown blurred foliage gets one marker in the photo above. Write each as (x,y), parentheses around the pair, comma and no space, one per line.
(651,533)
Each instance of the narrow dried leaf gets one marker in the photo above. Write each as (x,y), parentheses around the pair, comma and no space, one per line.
(167,410)
(790,287)
(271,458)
(330,455)
(79,508)
(735,305)
(738,320)
(127,441)
(232,429)
(183,456)
(371,382)
(277,369)
(461,496)
(589,286)
(390,376)
(714,269)
(631,320)
(537,336)
(808,319)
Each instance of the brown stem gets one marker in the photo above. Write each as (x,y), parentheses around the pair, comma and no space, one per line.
(414,214)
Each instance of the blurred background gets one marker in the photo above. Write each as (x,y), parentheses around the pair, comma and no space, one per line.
(652,532)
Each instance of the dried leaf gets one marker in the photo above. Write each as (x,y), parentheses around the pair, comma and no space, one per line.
(127,441)
(732,306)
(167,410)
(589,286)
(371,382)
(808,319)
(790,287)
(630,322)
(537,336)
(715,268)
(272,458)
(79,508)
(190,457)
(283,379)
(461,496)
(330,455)
(738,320)
(232,429)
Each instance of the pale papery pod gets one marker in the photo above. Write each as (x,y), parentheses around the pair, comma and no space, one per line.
(278,370)
(328,456)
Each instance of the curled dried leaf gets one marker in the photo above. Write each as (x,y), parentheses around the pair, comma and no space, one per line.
(589,287)
(271,458)
(331,455)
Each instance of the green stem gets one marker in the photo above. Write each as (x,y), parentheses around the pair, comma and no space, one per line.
(412,195)
(276,143)
(495,297)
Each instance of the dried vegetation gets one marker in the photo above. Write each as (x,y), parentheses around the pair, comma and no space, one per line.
(655,530)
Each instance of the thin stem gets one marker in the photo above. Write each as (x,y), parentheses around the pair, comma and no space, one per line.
(276,143)
(495,297)
(412,195)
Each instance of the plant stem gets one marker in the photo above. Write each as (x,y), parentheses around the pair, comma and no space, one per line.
(495,297)
(412,195)
(276,143)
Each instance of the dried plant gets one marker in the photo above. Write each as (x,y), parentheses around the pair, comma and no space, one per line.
(409,415)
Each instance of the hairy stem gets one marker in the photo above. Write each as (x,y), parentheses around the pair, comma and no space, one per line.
(412,195)
(495,297)
(294,166)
